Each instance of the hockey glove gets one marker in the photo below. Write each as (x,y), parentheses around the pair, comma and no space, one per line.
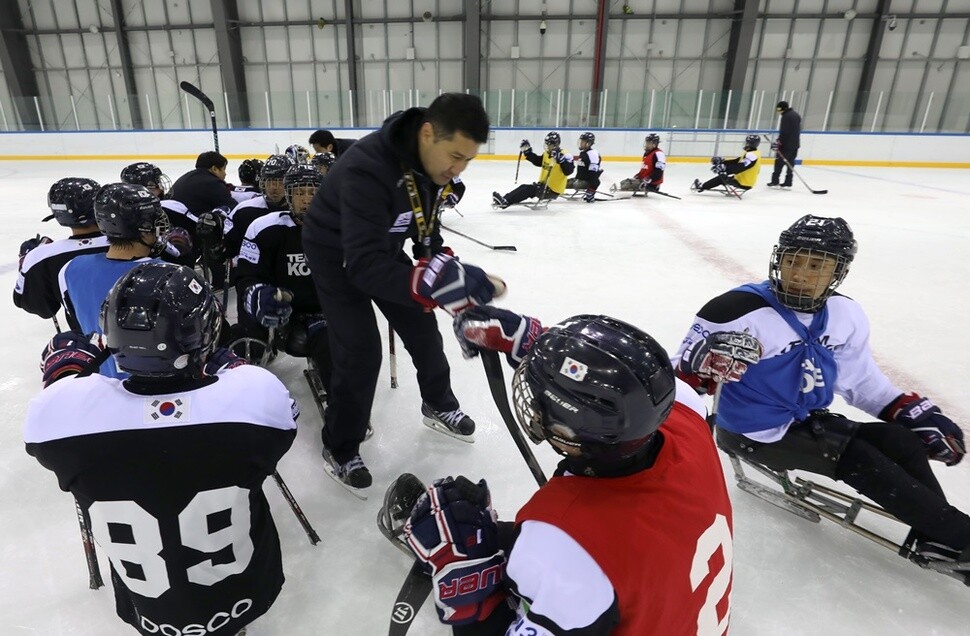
(445,282)
(31,243)
(717,161)
(525,147)
(68,353)
(494,329)
(222,359)
(179,239)
(451,200)
(941,436)
(454,536)
(776,145)
(719,168)
(589,196)
(269,305)
(723,356)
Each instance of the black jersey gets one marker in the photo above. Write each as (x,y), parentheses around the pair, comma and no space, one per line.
(37,290)
(241,216)
(588,166)
(272,253)
(173,486)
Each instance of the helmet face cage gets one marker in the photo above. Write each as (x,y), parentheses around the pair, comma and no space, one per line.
(323,161)
(161,320)
(302,179)
(751,142)
(273,172)
(71,201)
(587,137)
(297,154)
(527,411)
(811,277)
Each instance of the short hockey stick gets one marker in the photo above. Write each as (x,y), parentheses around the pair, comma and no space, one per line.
(195,92)
(392,354)
(517,164)
(795,172)
(501,248)
(295,507)
(496,384)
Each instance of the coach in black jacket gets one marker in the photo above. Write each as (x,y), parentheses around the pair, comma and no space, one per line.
(324,141)
(204,188)
(787,144)
(353,238)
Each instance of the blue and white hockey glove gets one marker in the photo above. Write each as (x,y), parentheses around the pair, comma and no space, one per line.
(454,536)
(222,359)
(269,305)
(32,243)
(941,436)
(719,168)
(723,356)
(494,329)
(68,353)
(445,282)
(717,160)
(179,239)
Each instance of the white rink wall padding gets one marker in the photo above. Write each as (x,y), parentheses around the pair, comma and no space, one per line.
(681,145)
(652,262)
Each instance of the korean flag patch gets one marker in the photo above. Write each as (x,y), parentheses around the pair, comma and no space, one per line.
(167,410)
(573,369)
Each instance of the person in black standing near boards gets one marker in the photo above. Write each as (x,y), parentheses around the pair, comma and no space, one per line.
(786,146)
(389,187)
(324,141)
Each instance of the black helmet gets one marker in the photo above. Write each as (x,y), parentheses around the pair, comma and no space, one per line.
(71,201)
(812,236)
(161,319)
(652,138)
(553,140)
(595,384)
(146,174)
(249,170)
(751,142)
(588,137)
(125,211)
(323,160)
(298,154)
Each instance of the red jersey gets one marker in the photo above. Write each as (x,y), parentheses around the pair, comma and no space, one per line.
(653,166)
(662,536)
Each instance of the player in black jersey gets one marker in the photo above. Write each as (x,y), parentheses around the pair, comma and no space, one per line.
(71,201)
(169,464)
(273,280)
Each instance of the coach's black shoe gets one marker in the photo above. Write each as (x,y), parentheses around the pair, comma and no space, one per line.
(352,475)
(773,184)
(453,423)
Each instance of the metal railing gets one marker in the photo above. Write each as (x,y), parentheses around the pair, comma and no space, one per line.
(833,111)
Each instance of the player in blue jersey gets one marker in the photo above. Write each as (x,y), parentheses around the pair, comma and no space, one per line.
(813,343)
(137,228)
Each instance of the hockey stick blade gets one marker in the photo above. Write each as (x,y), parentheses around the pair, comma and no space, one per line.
(416,589)
(500,248)
(195,92)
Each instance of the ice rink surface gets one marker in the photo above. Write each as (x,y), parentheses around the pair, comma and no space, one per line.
(652,262)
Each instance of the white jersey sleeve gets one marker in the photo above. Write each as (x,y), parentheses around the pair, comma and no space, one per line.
(560,580)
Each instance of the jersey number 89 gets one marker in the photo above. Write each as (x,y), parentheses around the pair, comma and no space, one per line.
(132,539)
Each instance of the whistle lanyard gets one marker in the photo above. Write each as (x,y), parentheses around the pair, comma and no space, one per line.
(426,226)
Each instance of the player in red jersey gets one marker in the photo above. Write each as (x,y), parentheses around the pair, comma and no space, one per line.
(633,534)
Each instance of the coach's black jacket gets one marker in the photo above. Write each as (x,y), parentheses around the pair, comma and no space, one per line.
(361,216)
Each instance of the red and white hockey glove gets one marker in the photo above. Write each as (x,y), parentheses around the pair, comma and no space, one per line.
(494,329)
(454,286)
(68,353)
(723,356)
(941,436)
(454,535)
